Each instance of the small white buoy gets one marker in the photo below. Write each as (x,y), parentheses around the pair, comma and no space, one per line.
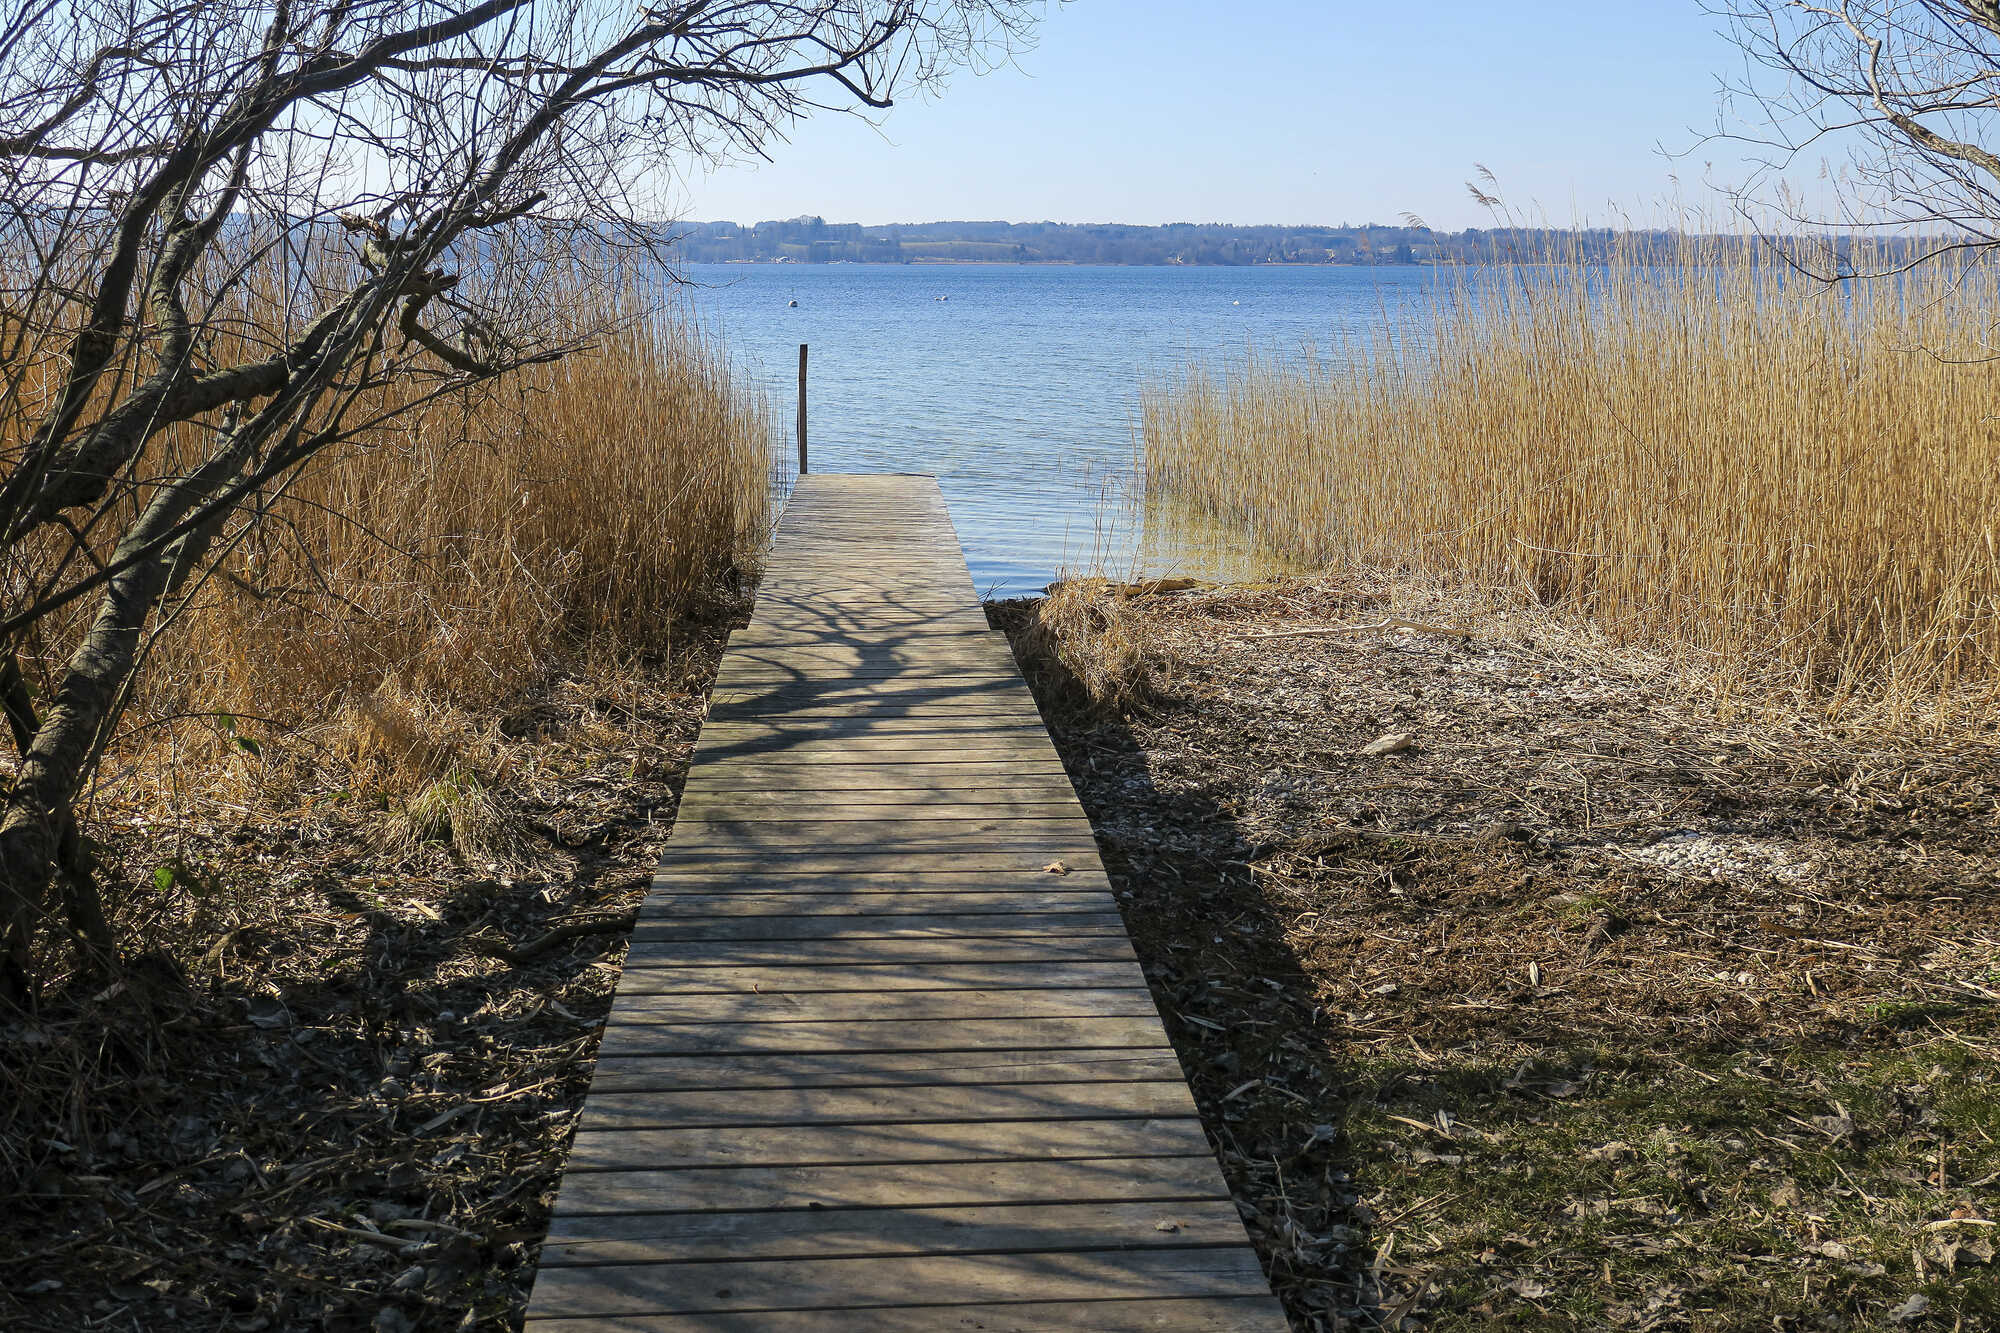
(1232,303)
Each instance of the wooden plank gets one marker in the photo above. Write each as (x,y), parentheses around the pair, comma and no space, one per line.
(921,733)
(879,926)
(975,1104)
(931,715)
(692,880)
(885,834)
(971,1034)
(720,809)
(762,666)
(699,866)
(708,862)
(878,718)
(1015,707)
(1017,731)
(917,627)
(764,754)
(684,1073)
(895,1144)
(1030,898)
(872,846)
(736,1189)
(925,1279)
(861,855)
(819,953)
(747,673)
(838,1006)
(645,978)
(762,645)
(972,694)
(967,693)
(1027,795)
(835,783)
(880,831)
(774,757)
(1236,1314)
(853,1232)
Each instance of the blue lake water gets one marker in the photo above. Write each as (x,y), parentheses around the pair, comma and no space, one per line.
(1018,385)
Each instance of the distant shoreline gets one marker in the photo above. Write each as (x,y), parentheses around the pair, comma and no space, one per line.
(811,239)
(927,262)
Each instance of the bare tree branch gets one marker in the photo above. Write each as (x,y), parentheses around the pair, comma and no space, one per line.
(242,232)
(1909,88)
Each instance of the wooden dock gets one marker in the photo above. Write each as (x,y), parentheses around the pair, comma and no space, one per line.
(882,1057)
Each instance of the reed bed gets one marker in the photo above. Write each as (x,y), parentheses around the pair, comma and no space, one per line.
(1791,489)
(594,501)
(573,511)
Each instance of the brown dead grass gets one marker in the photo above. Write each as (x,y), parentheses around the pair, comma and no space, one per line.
(318,1102)
(1592,1008)
(451,556)
(365,619)
(599,500)
(1088,626)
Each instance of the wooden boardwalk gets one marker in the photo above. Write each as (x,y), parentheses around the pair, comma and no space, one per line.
(875,1064)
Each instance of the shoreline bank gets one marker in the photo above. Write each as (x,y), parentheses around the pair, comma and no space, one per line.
(1578,1008)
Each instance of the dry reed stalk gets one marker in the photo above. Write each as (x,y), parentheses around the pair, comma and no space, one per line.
(1791,489)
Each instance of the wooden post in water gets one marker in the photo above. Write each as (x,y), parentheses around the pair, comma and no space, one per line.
(802,409)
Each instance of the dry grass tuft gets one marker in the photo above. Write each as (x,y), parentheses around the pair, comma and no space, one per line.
(432,770)
(1089,630)
(1789,489)
(390,737)
(456,809)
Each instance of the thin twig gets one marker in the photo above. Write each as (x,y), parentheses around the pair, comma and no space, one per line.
(543,943)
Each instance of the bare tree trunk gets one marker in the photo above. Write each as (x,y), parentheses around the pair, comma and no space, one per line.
(39,814)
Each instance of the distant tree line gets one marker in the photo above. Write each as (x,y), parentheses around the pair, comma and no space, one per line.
(813,240)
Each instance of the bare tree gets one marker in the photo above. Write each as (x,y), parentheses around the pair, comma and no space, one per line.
(1904,93)
(240,232)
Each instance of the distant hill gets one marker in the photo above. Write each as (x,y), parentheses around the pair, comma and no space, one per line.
(812,240)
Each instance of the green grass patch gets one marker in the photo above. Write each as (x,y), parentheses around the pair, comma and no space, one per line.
(1790,1190)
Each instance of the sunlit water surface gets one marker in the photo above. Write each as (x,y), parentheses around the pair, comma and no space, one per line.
(1018,386)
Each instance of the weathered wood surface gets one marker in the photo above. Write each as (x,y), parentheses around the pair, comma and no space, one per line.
(882,1057)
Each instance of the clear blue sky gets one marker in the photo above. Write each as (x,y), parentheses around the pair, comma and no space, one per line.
(1278,111)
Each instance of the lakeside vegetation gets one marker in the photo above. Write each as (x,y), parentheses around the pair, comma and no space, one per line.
(367,614)
(1786,486)
(1569,897)
(428,702)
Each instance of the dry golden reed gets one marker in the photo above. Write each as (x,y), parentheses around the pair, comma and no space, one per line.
(1792,488)
(459,553)
(597,499)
